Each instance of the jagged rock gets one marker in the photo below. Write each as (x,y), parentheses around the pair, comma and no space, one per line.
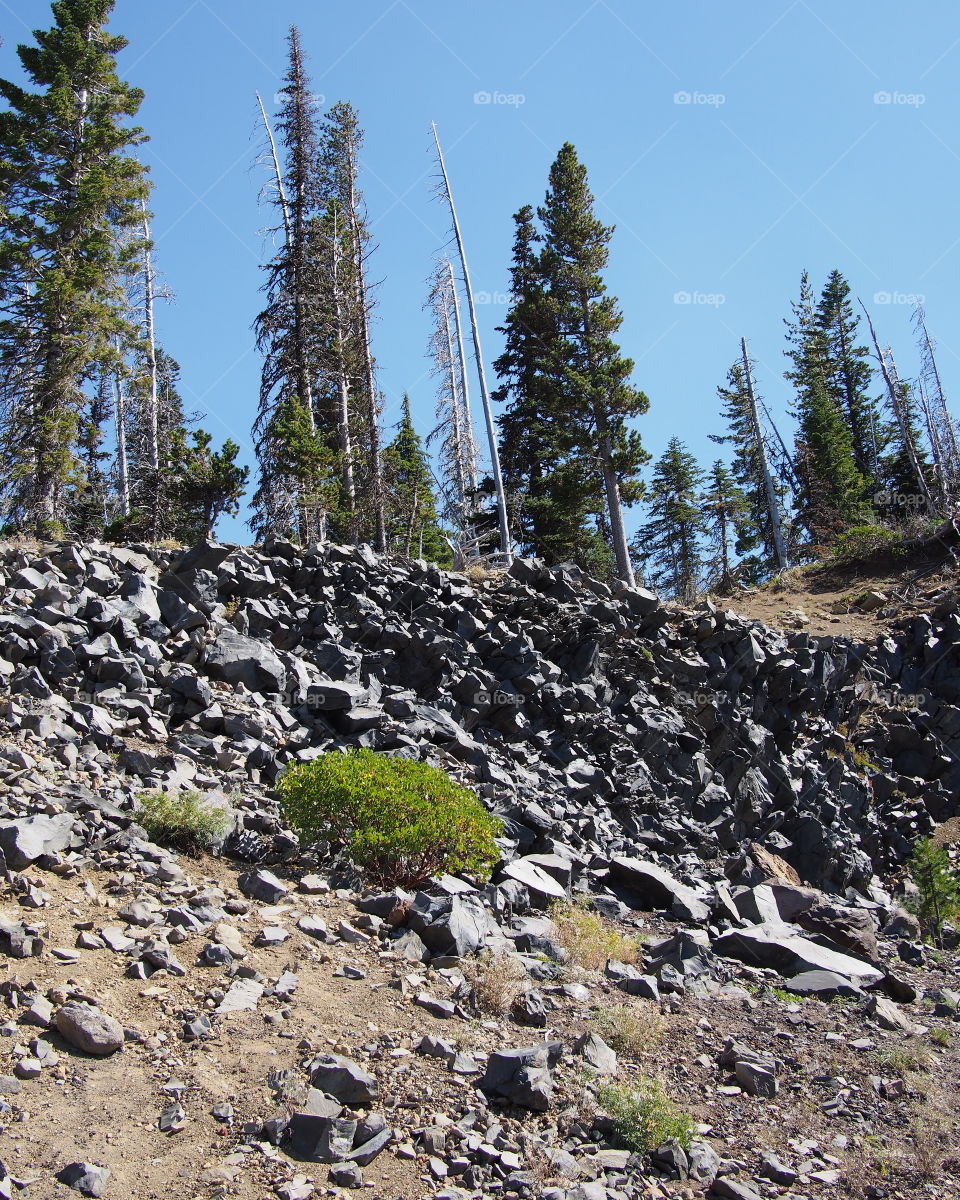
(26,839)
(237,659)
(596,1053)
(653,884)
(344,1079)
(262,885)
(86,1178)
(522,1076)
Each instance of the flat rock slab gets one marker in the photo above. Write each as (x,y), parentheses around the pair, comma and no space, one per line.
(344,1079)
(243,996)
(822,983)
(781,948)
(89,1029)
(533,876)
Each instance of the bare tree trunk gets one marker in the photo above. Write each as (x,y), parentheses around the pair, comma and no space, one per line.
(464,381)
(120,419)
(375,466)
(505,544)
(461,471)
(894,386)
(281,190)
(343,387)
(773,506)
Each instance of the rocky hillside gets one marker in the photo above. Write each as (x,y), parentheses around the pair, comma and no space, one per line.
(752,793)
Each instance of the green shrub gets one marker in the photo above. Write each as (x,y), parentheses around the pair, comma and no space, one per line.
(645,1116)
(401,822)
(181,820)
(938,887)
(868,541)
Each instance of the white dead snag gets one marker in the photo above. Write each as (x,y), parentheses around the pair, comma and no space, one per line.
(896,391)
(773,506)
(464,381)
(374,456)
(120,420)
(505,544)
(281,189)
(153,392)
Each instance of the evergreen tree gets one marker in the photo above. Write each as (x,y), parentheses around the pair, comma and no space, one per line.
(670,543)
(727,512)
(756,535)
(593,377)
(832,490)
(287,330)
(570,457)
(552,493)
(413,529)
(849,375)
(68,188)
(210,486)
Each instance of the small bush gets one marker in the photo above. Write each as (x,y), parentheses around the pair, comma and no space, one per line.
(645,1116)
(940,1036)
(938,887)
(181,820)
(400,822)
(633,1029)
(589,938)
(868,542)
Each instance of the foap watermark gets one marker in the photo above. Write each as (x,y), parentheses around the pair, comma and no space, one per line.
(886,498)
(893,698)
(701,99)
(704,299)
(280,98)
(498,699)
(507,99)
(900,99)
(911,298)
(492,297)
(699,698)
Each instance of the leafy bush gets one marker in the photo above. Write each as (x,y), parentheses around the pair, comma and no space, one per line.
(588,938)
(645,1116)
(938,887)
(868,541)
(400,822)
(181,820)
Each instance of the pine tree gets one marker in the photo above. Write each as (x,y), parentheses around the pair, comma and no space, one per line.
(760,537)
(570,457)
(832,490)
(727,512)
(413,528)
(210,486)
(593,376)
(68,188)
(670,543)
(287,329)
(849,375)
(551,494)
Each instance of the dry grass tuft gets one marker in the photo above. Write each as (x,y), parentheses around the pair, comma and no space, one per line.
(589,938)
(498,979)
(631,1029)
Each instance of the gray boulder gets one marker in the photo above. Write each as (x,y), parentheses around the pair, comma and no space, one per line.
(89,1029)
(234,658)
(28,838)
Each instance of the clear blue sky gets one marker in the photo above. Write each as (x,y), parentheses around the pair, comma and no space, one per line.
(781,159)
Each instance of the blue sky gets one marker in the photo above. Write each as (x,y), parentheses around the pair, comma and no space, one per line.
(731,144)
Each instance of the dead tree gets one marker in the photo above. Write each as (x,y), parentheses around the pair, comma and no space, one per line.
(505,544)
